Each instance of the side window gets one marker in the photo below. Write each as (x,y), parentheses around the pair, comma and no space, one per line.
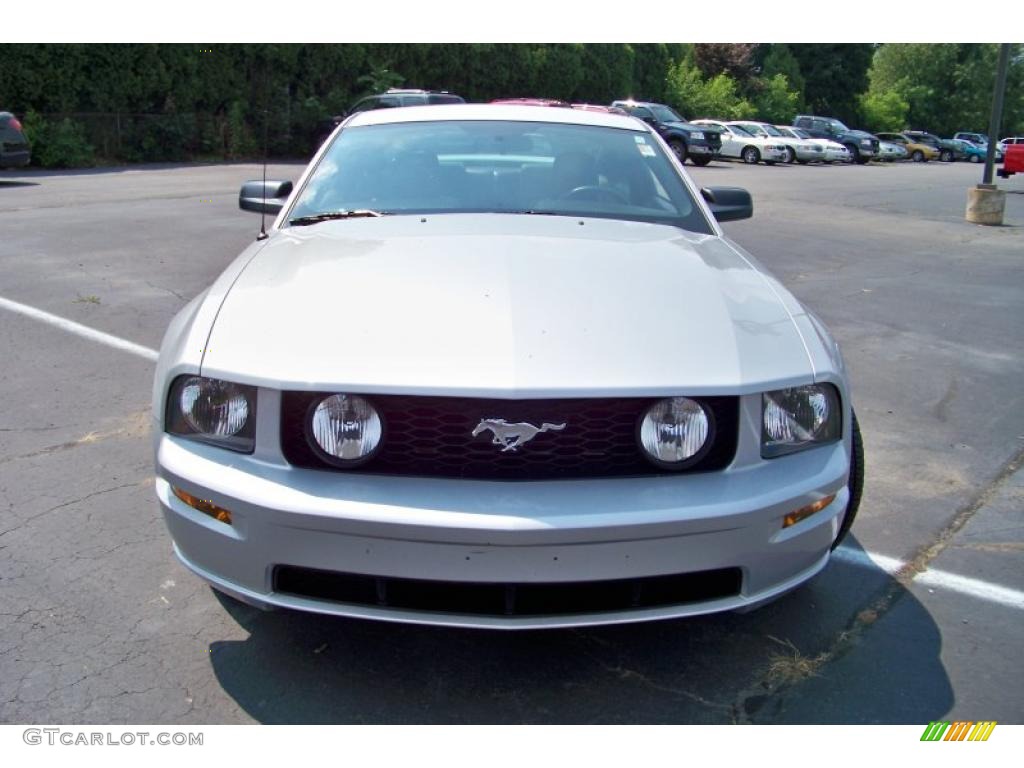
(412,101)
(819,125)
(804,122)
(383,102)
(643,113)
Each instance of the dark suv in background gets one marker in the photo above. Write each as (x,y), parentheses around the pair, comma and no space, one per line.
(698,142)
(862,145)
(394,97)
(14,149)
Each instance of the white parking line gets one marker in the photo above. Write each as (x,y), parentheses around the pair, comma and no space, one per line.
(983,590)
(78,329)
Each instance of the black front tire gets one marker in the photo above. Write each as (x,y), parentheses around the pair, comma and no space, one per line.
(678,149)
(702,161)
(855,483)
(790,155)
(946,156)
(975,158)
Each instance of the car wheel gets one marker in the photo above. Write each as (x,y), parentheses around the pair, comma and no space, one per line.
(918,156)
(790,155)
(751,156)
(700,160)
(975,158)
(946,156)
(854,154)
(678,149)
(855,483)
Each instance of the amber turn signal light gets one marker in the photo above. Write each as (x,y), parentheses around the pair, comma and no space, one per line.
(205,506)
(804,512)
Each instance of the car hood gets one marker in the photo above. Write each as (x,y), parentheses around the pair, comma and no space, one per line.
(505,306)
(693,127)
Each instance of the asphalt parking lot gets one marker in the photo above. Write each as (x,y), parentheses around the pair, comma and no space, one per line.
(918,618)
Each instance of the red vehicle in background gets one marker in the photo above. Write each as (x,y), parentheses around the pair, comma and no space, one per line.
(1013,161)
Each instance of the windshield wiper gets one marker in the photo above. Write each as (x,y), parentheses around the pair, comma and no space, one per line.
(360,213)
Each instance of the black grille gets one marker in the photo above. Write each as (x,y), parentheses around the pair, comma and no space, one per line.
(432,437)
(714,139)
(497,599)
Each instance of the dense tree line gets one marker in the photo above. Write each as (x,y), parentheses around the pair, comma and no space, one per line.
(116,103)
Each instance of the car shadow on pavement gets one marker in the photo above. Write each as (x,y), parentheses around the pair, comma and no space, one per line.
(786,662)
(16,183)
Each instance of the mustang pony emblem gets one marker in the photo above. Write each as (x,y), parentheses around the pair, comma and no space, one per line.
(511,436)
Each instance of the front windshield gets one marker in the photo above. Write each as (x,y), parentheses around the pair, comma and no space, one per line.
(837,126)
(771,130)
(741,131)
(666,114)
(751,129)
(490,166)
(800,133)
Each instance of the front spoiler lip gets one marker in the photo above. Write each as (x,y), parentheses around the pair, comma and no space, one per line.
(276,600)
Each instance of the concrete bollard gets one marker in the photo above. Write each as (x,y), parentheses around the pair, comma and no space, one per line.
(986,204)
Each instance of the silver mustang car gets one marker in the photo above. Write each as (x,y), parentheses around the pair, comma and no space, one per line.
(497,366)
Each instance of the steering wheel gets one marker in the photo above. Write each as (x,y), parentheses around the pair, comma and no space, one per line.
(593,192)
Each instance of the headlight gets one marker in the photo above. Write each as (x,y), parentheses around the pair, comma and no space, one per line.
(798,418)
(345,429)
(697,135)
(213,411)
(676,432)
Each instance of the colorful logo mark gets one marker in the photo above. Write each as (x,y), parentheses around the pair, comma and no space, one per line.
(960,730)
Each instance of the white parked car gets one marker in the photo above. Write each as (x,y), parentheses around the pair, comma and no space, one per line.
(498,366)
(797,149)
(740,144)
(890,152)
(834,151)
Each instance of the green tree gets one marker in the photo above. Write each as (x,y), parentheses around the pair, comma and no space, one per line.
(779,60)
(884,110)
(834,75)
(775,102)
(717,97)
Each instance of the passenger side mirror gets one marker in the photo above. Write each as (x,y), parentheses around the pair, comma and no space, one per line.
(728,203)
(264,196)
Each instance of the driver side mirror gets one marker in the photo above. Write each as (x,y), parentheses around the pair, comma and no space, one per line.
(264,196)
(728,203)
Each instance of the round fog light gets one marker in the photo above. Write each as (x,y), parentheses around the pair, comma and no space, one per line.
(675,432)
(346,429)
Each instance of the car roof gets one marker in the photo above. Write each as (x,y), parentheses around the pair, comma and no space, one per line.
(512,112)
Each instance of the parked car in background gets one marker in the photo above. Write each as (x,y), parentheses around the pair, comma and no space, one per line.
(981,139)
(740,144)
(14,148)
(862,145)
(394,97)
(834,151)
(918,151)
(603,410)
(1007,142)
(701,146)
(797,149)
(1014,160)
(948,149)
(966,150)
(889,152)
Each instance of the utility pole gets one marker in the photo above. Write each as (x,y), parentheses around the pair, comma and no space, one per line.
(986,203)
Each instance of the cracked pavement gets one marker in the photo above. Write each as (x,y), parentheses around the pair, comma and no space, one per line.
(100,624)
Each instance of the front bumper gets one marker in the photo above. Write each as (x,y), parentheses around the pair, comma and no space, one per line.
(461,532)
